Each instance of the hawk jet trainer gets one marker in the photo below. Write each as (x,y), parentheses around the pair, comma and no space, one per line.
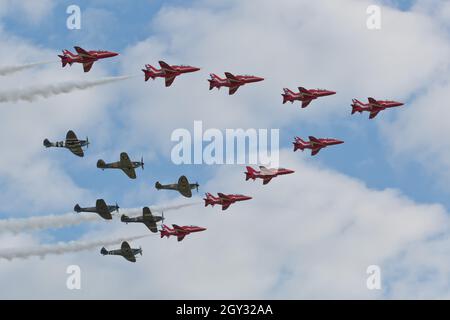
(266,174)
(314,144)
(183,186)
(233,82)
(225,200)
(179,232)
(72,143)
(305,95)
(124,164)
(101,208)
(87,58)
(374,106)
(125,251)
(147,218)
(168,72)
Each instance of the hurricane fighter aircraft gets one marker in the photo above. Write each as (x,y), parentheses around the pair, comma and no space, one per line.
(168,72)
(266,174)
(147,218)
(125,251)
(304,95)
(125,164)
(225,200)
(179,232)
(87,58)
(101,208)
(231,81)
(183,186)
(314,144)
(374,106)
(72,143)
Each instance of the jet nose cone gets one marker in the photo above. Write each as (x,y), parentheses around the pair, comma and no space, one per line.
(259,79)
(339,141)
(195,69)
(330,92)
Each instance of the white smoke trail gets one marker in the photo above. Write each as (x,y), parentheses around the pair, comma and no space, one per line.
(7,70)
(70,219)
(32,93)
(61,248)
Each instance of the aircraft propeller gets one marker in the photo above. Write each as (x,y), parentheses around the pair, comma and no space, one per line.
(140,250)
(87,142)
(196,186)
(142,163)
(117,207)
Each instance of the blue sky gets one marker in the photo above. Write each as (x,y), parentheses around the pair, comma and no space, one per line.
(134,116)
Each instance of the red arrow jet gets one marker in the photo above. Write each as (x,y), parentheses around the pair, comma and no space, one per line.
(87,58)
(374,106)
(305,95)
(265,173)
(225,200)
(314,144)
(168,72)
(179,232)
(231,81)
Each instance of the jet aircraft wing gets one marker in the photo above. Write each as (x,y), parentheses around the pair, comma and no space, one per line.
(170,80)
(87,66)
(166,67)
(306,103)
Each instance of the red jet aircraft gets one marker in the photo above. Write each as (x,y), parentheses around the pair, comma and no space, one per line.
(179,232)
(265,173)
(231,81)
(87,58)
(225,200)
(305,95)
(314,144)
(374,106)
(168,72)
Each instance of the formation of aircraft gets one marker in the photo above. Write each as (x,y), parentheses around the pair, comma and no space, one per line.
(72,143)
(233,82)
(314,144)
(147,218)
(305,95)
(125,251)
(168,72)
(266,174)
(101,208)
(124,164)
(224,200)
(179,232)
(373,106)
(183,186)
(87,58)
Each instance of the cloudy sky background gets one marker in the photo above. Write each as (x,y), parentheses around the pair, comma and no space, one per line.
(379,199)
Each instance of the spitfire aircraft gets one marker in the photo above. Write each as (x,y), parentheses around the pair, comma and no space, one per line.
(304,95)
(179,232)
(168,72)
(374,106)
(125,251)
(87,58)
(225,200)
(101,208)
(125,164)
(233,82)
(314,144)
(266,174)
(72,143)
(183,186)
(147,218)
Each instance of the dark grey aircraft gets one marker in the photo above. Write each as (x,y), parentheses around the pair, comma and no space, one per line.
(147,218)
(125,251)
(72,143)
(183,186)
(125,164)
(101,208)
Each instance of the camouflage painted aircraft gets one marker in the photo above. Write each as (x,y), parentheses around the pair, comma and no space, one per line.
(147,218)
(125,164)
(125,251)
(101,208)
(72,143)
(183,186)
